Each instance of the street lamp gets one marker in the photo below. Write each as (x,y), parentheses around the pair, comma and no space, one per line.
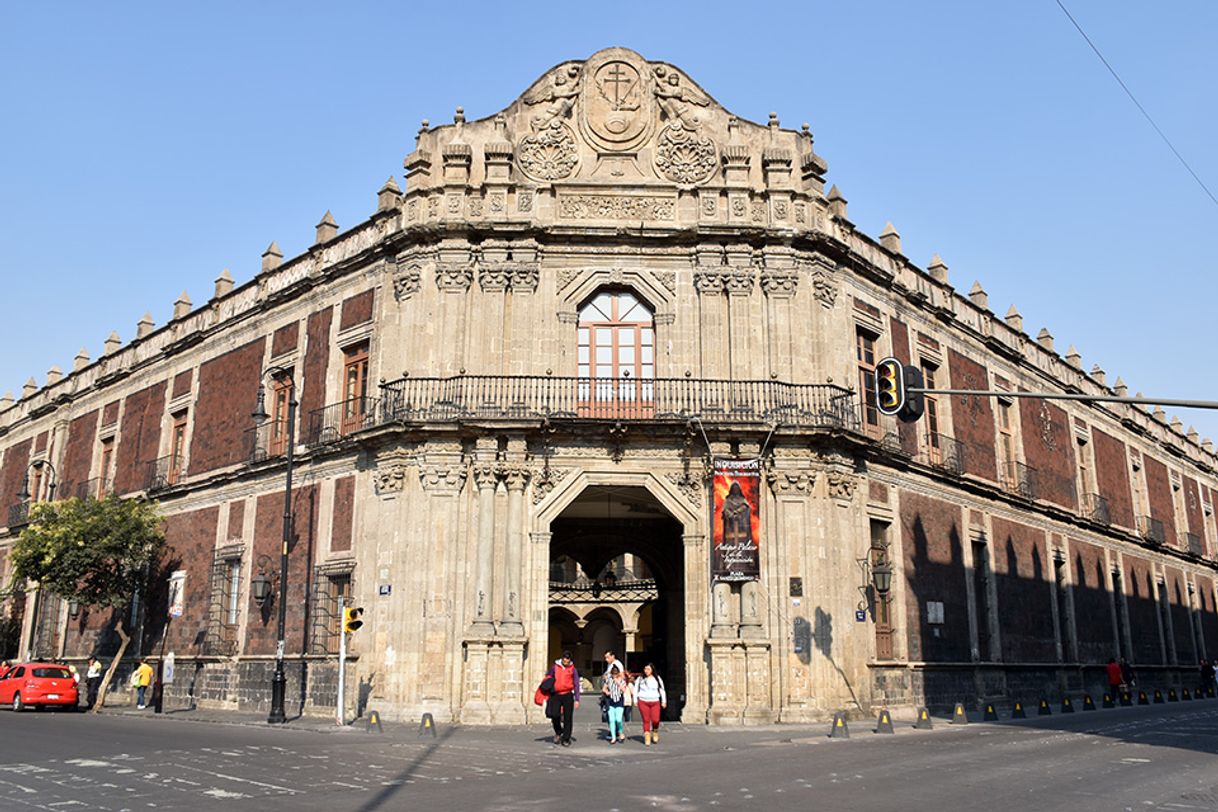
(24,494)
(261,588)
(279,681)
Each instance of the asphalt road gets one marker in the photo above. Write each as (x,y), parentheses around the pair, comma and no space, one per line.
(1156,758)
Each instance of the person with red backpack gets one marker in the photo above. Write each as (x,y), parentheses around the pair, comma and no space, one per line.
(564,699)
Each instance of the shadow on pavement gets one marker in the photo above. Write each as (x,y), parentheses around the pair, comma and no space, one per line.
(386,795)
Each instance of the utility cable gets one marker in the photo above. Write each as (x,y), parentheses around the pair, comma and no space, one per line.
(1132,98)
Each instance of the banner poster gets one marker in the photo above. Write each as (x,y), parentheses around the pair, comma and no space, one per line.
(177,593)
(736,520)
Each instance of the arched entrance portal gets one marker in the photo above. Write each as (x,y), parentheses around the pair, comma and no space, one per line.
(617,582)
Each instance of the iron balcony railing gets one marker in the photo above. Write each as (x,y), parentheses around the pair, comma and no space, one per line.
(164,472)
(339,420)
(97,488)
(943,452)
(1020,479)
(1192,543)
(265,441)
(596,592)
(659,399)
(19,515)
(1097,509)
(1152,529)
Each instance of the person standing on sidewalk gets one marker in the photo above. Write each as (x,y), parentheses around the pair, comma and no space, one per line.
(565,697)
(141,679)
(93,680)
(650,699)
(1115,678)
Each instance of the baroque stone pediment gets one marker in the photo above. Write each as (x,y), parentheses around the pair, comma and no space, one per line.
(618,136)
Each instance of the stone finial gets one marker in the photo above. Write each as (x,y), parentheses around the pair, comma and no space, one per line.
(224,283)
(144,326)
(1206,444)
(459,116)
(937,269)
(1073,358)
(271,257)
(81,361)
(978,296)
(1177,425)
(113,342)
(1192,435)
(6,401)
(424,127)
(1045,339)
(805,130)
(890,239)
(1014,320)
(389,195)
(54,375)
(31,386)
(1159,414)
(1122,391)
(773,121)
(182,307)
(1097,372)
(327,229)
(837,202)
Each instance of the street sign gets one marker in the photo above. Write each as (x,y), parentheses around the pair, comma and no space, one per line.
(860,615)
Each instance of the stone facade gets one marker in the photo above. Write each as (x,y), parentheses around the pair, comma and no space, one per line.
(515,433)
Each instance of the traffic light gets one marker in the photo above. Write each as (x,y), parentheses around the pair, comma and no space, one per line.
(915,403)
(889,386)
(351,620)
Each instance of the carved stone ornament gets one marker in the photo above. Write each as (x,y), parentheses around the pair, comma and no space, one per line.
(841,485)
(617,207)
(516,476)
(493,278)
(823,288)
(739,281)
(407,281)
(390,476)
(452,276)
(617,101)
(566,276)
(708,281)
(545,480)
(444,478)
(684,156)
(524,200)
(693,490)
(668,279)
(524,277)
(791,483)
(779,283)
(549,153)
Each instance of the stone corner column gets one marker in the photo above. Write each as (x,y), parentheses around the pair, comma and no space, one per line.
(516,477)
(486,479)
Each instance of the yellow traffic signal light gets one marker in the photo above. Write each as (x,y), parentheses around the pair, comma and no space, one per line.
(889,386)
(351,621)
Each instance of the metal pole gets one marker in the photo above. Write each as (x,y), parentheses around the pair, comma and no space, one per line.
(1002,393)
(279,680)
(339,710)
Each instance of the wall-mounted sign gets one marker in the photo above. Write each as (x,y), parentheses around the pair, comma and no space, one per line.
(384,589)
(177,593)
(737,520)
(860,615)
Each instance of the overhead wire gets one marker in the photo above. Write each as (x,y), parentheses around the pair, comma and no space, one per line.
(1138,104)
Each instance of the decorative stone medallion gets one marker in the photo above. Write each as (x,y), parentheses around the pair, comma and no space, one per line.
(684,156)
(616,102)
(548,154)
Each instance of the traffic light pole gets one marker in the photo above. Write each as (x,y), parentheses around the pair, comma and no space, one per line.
(340,711)
(1002,393)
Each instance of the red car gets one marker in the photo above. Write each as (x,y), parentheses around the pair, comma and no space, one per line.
(31,684)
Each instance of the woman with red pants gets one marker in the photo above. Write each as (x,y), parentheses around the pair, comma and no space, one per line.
(650,698)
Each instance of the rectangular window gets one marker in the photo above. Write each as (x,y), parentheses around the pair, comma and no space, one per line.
(177,448)
(355,387)
(865,353)
(103,474)
(281,398)
(931,412)
(340,592)
(880,553)
(1085,482)
(232,591)
(981,596)
(1006,442)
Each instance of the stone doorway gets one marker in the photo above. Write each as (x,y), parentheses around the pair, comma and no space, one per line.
(617,582)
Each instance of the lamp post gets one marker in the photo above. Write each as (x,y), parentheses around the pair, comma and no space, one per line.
(279,680)
(24,494)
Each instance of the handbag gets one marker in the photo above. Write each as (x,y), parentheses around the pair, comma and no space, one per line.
(552,710)
(604,710)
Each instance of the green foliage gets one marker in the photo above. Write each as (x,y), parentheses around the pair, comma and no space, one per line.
(95,551)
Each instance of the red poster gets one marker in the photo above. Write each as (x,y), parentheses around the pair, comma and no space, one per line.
(737,520)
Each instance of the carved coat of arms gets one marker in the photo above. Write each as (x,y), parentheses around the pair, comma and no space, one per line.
(617,102)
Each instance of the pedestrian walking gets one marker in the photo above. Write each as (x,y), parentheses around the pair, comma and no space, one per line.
(141,679)
(1127,675)
(627,702)
(650,698)
(612,663)
(613,690)
(1115,678)
(564,699)
(93,680)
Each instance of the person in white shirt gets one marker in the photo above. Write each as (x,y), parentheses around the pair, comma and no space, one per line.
(93,680)
(650,699)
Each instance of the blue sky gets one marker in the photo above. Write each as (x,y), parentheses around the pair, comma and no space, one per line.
(147,147)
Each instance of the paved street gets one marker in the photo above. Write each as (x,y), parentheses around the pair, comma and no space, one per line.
(1156,758)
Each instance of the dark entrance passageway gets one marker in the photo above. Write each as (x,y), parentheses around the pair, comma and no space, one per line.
(617,583)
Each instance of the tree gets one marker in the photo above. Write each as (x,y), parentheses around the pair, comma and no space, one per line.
(97,552)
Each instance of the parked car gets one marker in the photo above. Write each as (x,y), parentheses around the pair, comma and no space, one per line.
(37,683)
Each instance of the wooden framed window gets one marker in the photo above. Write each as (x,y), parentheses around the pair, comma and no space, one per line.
(355,387)
(933,444)
(1006,440)
(880,553)
(103,473)
(177,448)
(865,353)
(281,398)
(616,356)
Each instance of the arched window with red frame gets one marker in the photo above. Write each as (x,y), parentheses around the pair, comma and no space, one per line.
(616,355)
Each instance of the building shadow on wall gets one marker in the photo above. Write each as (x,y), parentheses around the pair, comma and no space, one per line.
(822,638)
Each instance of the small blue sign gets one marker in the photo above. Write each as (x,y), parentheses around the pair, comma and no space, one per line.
(385,589)
(860,615)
